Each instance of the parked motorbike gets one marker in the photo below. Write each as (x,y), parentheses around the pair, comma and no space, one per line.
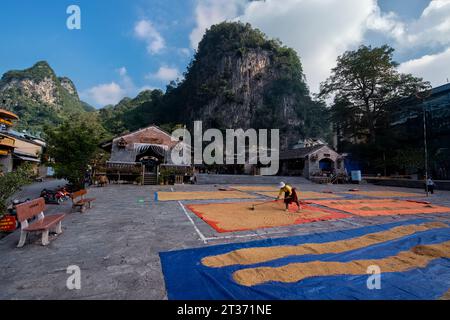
(9,222)
(53,196)
(65,192)
(14,203)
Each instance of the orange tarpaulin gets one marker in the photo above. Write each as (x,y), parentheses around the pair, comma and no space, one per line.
(378,207)
(303,194)
(238,216)
(385,193)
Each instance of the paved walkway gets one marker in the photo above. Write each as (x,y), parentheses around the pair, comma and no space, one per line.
(116,243)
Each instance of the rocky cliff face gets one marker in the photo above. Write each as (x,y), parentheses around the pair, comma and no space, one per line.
(239,79)
(245,81)
(67,84)
(38,96)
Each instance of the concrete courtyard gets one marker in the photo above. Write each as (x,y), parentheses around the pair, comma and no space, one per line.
(116,243)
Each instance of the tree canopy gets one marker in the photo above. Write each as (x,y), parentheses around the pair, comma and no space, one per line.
(365,84)
(11,182)
(72,146)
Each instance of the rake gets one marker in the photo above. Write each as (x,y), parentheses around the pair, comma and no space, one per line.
(253,208)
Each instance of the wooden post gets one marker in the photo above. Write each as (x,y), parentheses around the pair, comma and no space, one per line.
(157,175)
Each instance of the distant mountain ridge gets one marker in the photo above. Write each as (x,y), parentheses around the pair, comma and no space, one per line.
(38,96)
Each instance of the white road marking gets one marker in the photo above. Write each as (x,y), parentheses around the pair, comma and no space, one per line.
(247,235)
(202,237)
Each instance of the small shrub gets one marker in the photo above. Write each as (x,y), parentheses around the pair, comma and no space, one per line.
(11,182)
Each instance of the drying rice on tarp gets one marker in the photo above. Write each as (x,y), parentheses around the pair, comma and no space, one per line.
(203,195)
(412,276)
(263,254)
(446,296)
(381,207)
(303,195)
(385,194)
(238,216)
(418,257)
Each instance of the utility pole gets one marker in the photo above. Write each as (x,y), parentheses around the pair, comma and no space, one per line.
(425,146)
(422,95)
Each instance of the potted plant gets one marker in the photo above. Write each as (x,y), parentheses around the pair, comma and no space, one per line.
(139,180)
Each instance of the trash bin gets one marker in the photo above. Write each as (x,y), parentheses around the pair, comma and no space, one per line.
(356,176)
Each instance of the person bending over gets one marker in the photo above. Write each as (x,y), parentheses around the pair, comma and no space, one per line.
(290,195)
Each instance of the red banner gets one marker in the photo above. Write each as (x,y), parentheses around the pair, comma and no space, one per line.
(7,224)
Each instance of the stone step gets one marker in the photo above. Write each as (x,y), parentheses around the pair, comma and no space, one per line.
(150,180)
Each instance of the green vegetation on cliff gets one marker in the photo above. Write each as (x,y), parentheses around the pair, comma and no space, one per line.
(39,97)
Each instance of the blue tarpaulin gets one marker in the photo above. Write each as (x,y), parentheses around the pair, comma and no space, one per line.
(186,277)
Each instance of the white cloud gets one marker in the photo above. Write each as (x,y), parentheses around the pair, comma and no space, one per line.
(165,73)
(386,23)
(145,30)
(433,26)
(431,29)
(185,51)
(126,81)
(434,68)
(318,30)
(209,12)
(104,94)
(111,93)
(321,30)
(122,71)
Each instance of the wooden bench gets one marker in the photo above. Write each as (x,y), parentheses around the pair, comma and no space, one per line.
(43,224)
(81,203)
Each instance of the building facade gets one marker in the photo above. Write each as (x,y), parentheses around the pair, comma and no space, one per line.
(408,123)
(17,148)
(142,153)
(317,160)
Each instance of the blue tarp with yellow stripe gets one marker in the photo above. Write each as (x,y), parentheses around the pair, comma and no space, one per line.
(187,278)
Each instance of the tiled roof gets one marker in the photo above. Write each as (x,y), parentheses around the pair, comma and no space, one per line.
(299,153)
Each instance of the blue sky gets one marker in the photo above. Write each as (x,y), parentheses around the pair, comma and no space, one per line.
(126,46)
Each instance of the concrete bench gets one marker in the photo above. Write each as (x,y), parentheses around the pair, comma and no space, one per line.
(78,200)
(35,209)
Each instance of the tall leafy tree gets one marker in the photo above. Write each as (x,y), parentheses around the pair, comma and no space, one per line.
(365,84)
(73,145)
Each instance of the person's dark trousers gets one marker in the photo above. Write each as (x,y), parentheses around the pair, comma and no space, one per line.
(431,189)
